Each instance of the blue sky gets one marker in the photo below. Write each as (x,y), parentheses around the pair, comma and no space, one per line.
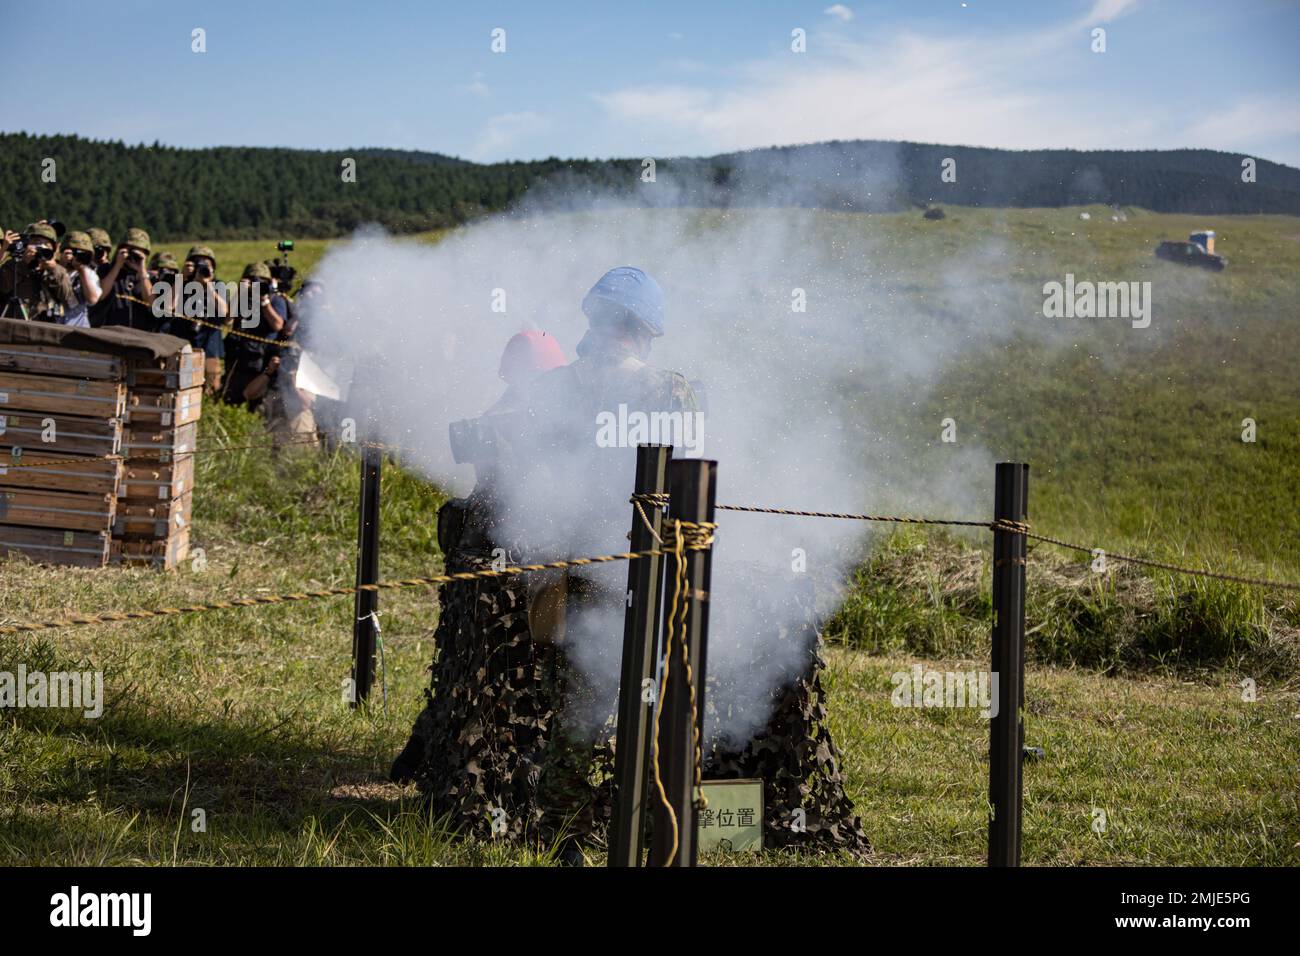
(664,78)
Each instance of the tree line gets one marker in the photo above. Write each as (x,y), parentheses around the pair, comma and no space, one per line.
(255,192)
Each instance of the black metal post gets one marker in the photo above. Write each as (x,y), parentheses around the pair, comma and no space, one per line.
(1007,727)
(691,487)
(640,635)
(365,628)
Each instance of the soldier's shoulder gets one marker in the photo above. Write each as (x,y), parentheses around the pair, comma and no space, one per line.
(673,386)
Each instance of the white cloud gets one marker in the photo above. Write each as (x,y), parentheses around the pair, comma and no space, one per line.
(505,130)
(477,87)
(1104,11)
(1013,91)
(910,87)
(1264,126)
(839,10)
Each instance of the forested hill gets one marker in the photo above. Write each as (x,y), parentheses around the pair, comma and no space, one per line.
(245,192)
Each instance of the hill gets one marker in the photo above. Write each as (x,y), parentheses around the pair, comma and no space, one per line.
(255,192)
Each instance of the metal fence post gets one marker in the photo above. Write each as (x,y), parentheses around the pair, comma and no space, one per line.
(1007,728)
(640,635)
(691,488)
(365,627)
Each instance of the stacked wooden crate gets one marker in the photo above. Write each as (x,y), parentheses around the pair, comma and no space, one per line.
(97,435)
(155,506)
(61,415)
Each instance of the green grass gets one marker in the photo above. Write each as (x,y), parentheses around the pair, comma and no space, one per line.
(1134,680)
(233,255)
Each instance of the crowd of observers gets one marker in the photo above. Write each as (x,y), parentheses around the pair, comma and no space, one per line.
(80,278)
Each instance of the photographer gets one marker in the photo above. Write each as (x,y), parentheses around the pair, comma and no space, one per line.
(79,262)
(163,273)
(248,354)
(103,250)
(32,284)
(128,293)
(210,308)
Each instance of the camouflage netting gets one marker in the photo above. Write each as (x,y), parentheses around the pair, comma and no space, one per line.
(491,707)
(794,753)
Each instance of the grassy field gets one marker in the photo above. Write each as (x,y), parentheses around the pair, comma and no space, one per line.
(1134,690)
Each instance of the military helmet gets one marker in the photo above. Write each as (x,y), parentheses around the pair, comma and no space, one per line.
(99,237)
(137,238)
(529,354)
(165,260)
(42,230)
(79,241)
(625,291)
(257,270)
(201,252)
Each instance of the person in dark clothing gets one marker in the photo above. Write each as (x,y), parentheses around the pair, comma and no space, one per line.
(198,317)
(128,292)
(261,320)
(33,286)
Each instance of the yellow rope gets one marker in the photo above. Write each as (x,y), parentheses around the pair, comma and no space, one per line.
(229,330)
(111,617)
(697,537)
(1015,527)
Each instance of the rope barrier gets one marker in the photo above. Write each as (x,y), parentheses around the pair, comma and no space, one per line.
(690,541)
(1015,527)
(229,330)
(697,537)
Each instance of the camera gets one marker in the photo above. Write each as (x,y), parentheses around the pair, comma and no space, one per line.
(17,246)
(281,271)
(85,258)
(44,253)
(202,270)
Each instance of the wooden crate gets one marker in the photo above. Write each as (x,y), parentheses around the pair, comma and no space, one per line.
(99,437)
(85,549)
(157,481)
(47,360)
(162,409)
(57,509)
(62,396)
(95,476)
(153,519)
(166,553)
(178,372)
(155,444)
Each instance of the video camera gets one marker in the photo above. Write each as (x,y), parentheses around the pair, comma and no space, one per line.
(281,271)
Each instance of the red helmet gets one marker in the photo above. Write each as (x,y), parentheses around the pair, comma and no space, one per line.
(528,355)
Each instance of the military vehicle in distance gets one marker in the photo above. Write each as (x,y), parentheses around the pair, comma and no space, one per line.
(1197,251)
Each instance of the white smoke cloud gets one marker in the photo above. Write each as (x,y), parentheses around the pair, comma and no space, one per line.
(791,395)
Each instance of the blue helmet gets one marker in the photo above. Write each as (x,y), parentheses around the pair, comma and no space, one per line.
(626,290)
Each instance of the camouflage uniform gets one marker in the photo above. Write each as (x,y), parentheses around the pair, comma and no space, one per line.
(576,782)
(43,293)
